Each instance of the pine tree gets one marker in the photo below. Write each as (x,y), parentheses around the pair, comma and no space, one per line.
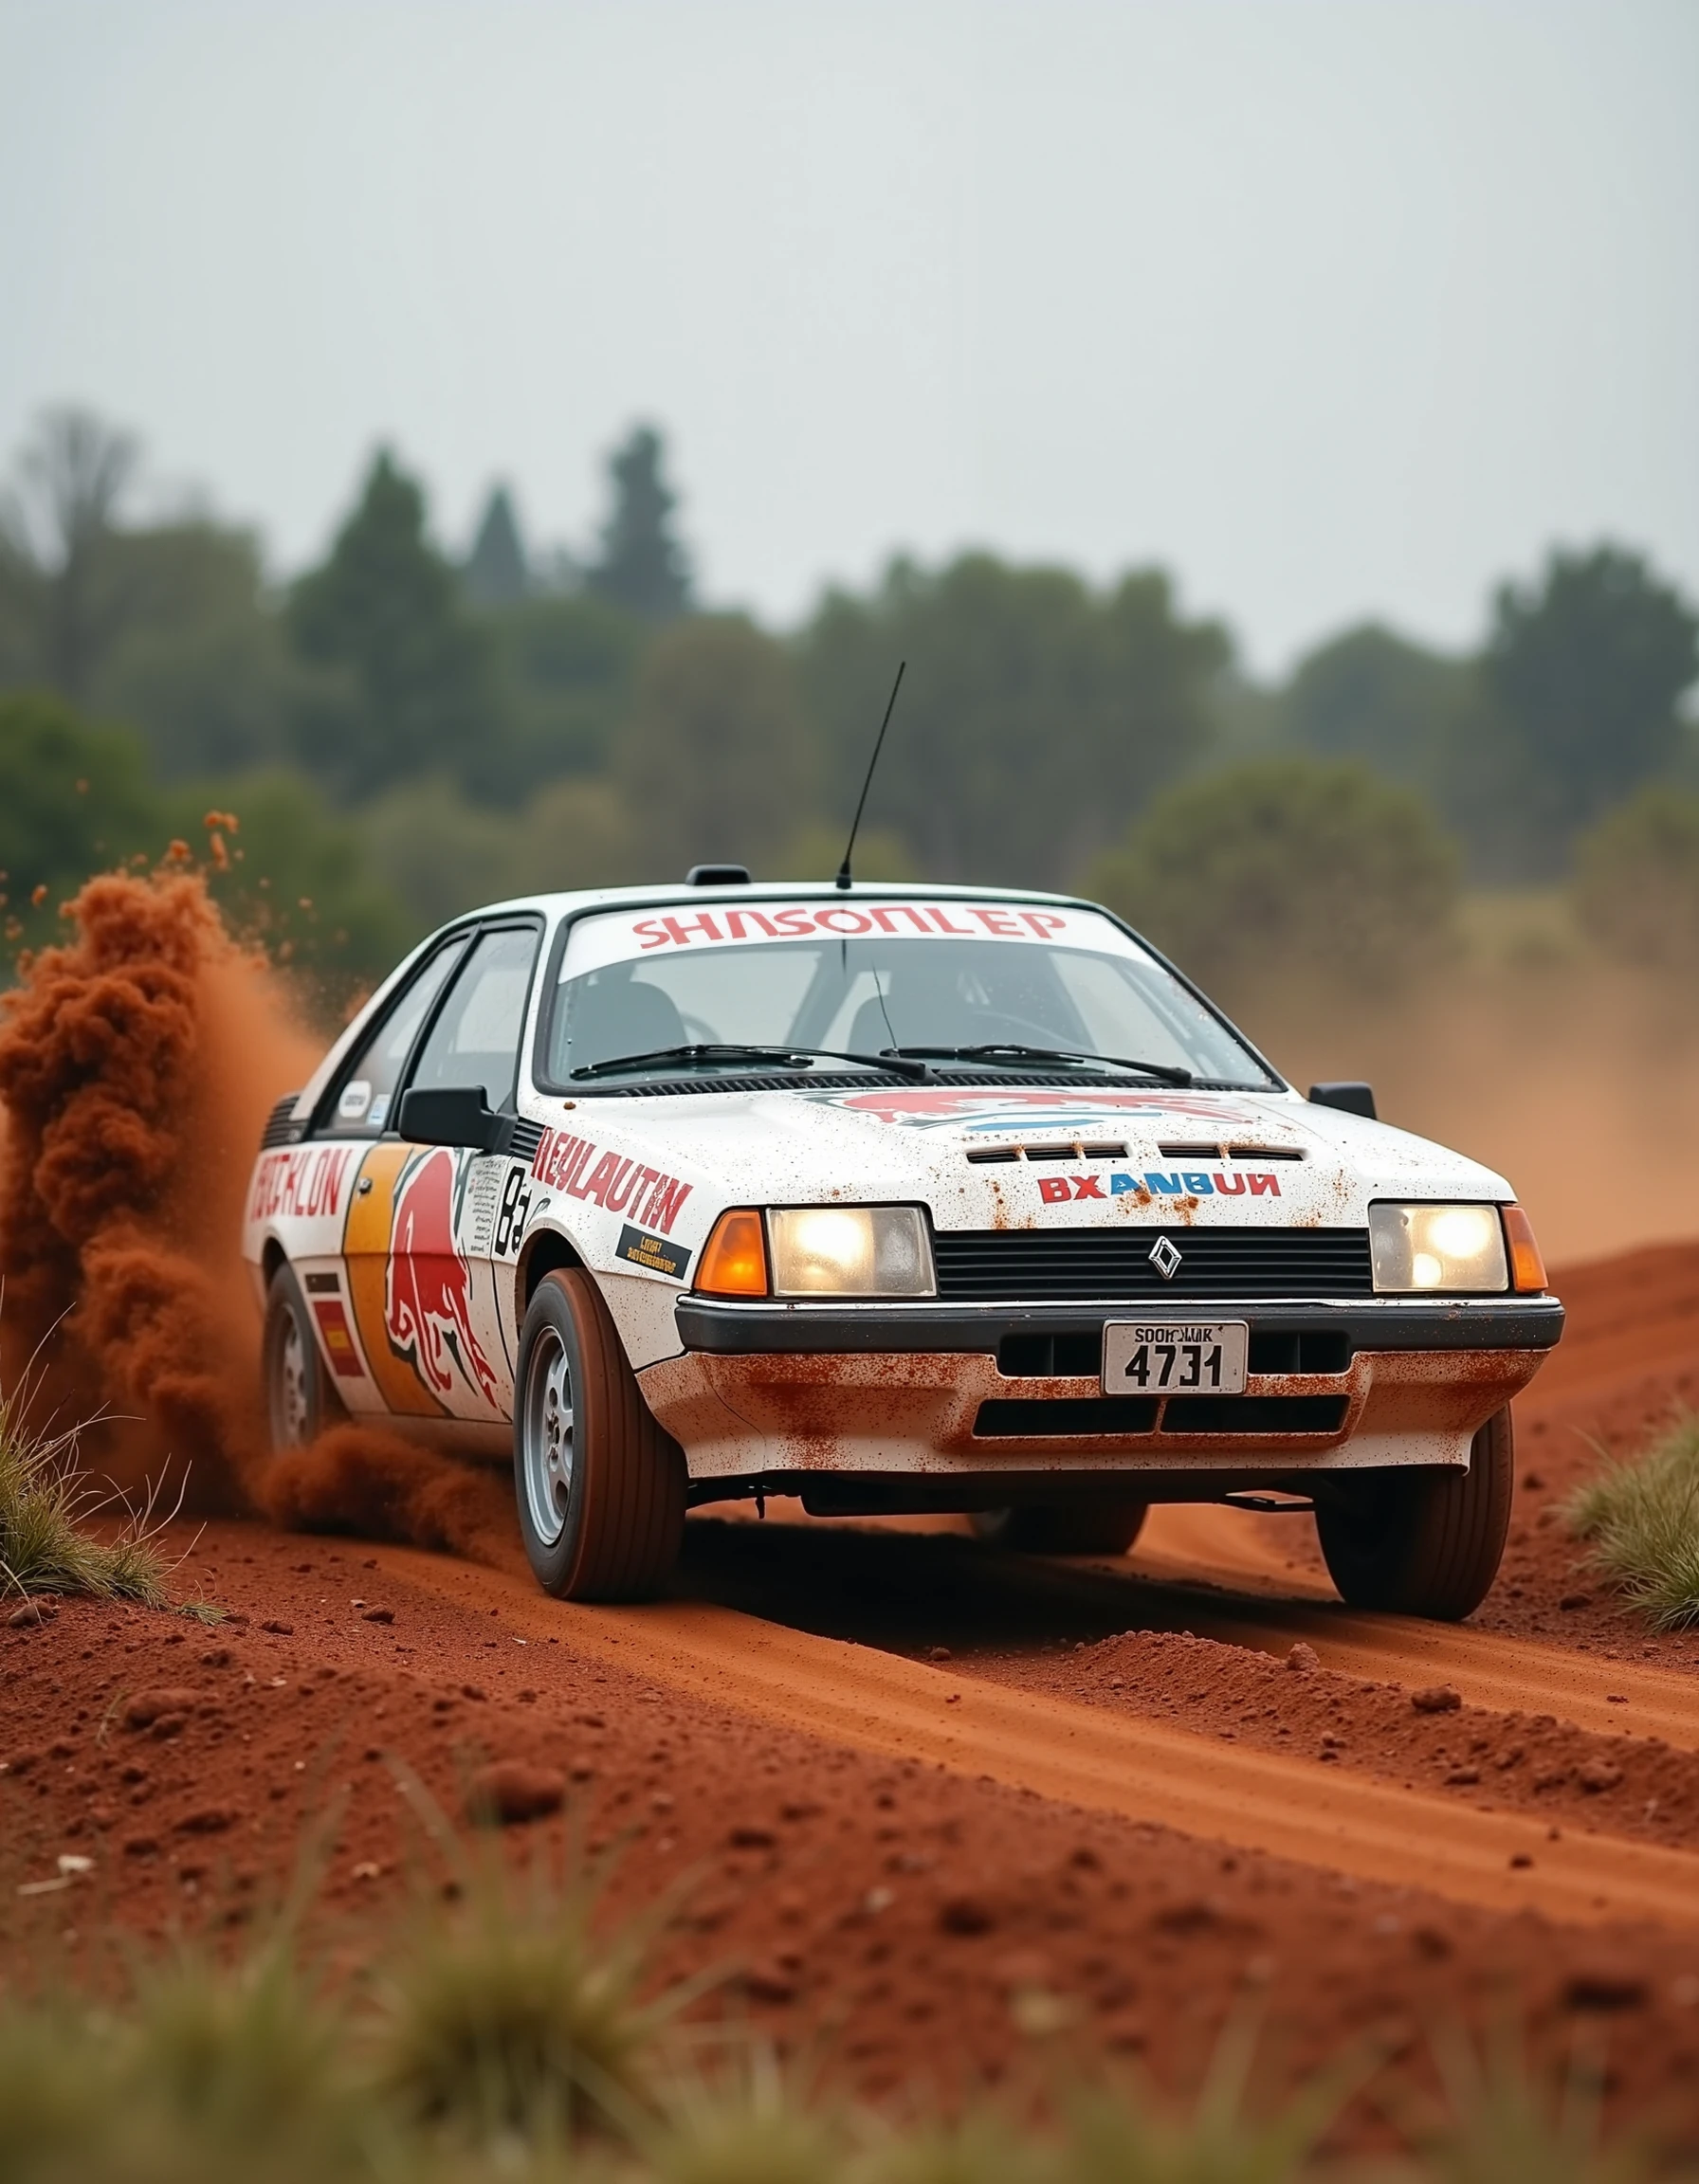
(643,567)
(495,572)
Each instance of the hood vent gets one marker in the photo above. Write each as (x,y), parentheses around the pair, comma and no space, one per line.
(985,1155)
(1231,1152)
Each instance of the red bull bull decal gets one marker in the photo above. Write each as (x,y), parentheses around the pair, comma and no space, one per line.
(428,1288)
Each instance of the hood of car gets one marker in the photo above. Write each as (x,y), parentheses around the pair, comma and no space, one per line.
(1003,1157)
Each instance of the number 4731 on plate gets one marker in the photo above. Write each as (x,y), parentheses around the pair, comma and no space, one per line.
(1172,1358)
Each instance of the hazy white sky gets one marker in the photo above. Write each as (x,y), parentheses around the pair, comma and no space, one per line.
(1335,307)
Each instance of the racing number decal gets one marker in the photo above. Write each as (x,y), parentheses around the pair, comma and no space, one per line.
(516,1204)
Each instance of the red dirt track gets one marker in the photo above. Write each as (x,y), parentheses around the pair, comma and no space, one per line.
(1105,1808)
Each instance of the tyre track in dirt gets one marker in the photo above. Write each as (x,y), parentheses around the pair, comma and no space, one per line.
(1201,1557)
(1205,1570)
(1081,1755)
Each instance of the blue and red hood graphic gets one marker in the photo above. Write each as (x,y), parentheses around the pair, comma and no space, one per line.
(967,1108)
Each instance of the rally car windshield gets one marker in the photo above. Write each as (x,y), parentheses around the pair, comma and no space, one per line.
(1082,997)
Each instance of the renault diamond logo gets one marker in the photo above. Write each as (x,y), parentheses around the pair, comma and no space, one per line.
(1164,1256)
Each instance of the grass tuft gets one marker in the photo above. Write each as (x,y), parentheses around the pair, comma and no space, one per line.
(511,2012)
(44,1507)
(753,2125)
(1506,2118)
(1642,1520)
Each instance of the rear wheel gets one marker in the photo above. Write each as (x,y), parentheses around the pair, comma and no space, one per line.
(1062,1527)
(1423,1542)
(600,1487)
(299,1400)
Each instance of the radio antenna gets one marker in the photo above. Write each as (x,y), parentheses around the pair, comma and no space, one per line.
(843,879)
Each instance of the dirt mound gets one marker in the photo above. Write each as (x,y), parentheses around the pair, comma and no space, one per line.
(138,1064)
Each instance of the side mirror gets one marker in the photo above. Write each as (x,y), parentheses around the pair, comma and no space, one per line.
(1349,1095)
(455,1114)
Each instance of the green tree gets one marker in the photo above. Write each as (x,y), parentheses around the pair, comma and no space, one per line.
(1287,870)
(715,761)
(74,800)
(642,568)
(1036,716)
(407,686)
(1638,881)
(439,855)
(1373,696)
(1585,671)
(495,572)
(568,665)
(202,666)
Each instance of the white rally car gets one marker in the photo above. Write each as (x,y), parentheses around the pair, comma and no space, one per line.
(897,1199)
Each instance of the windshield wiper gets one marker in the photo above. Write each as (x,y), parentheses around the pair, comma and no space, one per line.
(892,1063)
(1011,1051)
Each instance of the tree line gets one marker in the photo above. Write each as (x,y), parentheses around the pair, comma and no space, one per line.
(403,731)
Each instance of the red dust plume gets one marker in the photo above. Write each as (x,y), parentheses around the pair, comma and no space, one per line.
(138,1064)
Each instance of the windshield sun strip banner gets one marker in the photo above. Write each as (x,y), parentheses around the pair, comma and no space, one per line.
(619,936)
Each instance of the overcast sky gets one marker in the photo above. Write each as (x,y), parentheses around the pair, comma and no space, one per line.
(1334,309)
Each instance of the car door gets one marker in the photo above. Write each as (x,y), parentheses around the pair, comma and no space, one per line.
(449,1312)
(346,1295)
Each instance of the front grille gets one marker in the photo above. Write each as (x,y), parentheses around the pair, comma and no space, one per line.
(1078,1266)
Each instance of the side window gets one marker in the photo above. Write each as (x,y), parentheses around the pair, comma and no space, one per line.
(475,1039)
(367,1098)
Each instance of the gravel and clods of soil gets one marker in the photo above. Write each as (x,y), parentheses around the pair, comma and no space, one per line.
(920,1930)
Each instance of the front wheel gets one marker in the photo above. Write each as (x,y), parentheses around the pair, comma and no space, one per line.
(1423,1542)
(600,1487)
(1062,1527)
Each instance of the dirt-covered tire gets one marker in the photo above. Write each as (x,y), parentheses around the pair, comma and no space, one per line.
(600,1487)
(1423,1542)
(299,1399)
(1062,1527)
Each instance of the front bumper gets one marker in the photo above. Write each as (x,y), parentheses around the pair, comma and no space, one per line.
(741,1329)
(771,1388)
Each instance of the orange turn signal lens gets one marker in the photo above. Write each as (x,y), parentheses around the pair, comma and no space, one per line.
(733,1260)
(1527,1270)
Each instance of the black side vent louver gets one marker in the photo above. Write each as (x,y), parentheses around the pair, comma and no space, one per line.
(281,1127)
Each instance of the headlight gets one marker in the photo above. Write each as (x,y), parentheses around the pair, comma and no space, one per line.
(1442,1247)
(850,1251)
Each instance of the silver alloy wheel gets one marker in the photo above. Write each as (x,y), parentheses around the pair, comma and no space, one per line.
(547,1444)
(292,1399)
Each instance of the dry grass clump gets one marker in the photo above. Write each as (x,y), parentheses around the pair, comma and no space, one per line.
(1642,1519)
(512,2010)
(45,1507)
(465,2058)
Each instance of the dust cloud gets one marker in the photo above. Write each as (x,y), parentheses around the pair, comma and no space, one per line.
(1577,1080)
(138,1064)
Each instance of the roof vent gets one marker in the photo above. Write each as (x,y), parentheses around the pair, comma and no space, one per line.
(716,876)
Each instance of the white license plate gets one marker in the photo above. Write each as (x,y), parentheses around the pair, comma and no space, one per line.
(1175,1356)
